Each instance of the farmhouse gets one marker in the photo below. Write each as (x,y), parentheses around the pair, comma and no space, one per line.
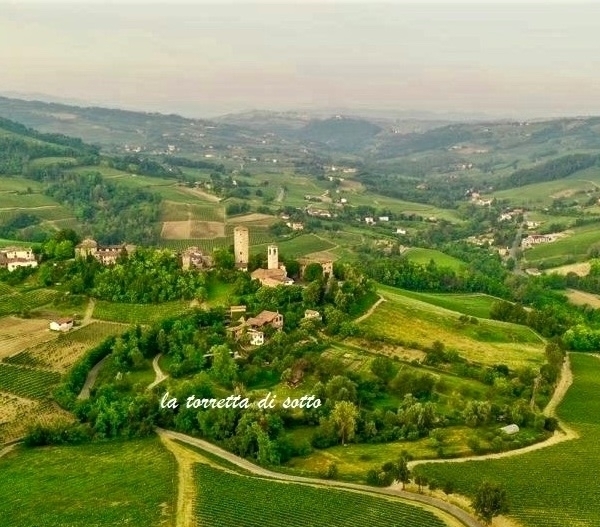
(257,338)
(311,314)
(106,255)
(12,258)
(536,239)
(61,324)
(295,226)
(194,258)
(266,318)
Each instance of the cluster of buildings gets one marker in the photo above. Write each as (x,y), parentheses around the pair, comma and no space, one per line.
(536,239)
(106,255)
(12,258)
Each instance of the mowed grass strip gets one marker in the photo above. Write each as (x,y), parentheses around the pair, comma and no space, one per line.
(95,485)
(422,256)
(225,500)
(407,320)
(473,305)
(552,487)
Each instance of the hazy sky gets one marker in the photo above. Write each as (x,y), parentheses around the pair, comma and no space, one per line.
(202,59)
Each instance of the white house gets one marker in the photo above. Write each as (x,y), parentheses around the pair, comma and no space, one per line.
(61,324)
(312,314)
(400,231)
(369,220)
(257,338)
(12,258)
(384,218)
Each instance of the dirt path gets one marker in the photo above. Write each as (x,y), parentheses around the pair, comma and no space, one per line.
(371,310)
(567,433)
(280,195)
(186,487)
(160,375)
(457,513)
(89,311)
(6,450)
(91,379)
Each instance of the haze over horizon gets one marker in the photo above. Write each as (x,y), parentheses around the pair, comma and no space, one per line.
(203,60)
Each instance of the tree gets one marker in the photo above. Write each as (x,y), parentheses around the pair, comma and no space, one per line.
(344,415)
(490,500)
(384,369)
(224,368)
(313,271)
(401,470)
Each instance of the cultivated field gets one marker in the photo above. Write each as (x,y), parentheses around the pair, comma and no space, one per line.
(552,487)
(573,246)
(19,333)
(580,269)
(16,301)
(183,230)
(259,502)
(406,321)
(581,298)
(100,484)
(62,352)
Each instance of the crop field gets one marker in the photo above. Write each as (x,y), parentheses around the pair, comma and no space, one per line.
(298,246)
(98,484)
(61,353)
(552,487)
(138,313)
(423,256)
(176,211)
(405,321)
(17,301)
(191,229)
(580,186)
(17,333)
(580,269)
(27,382)
(264,503)
(474,305)
(573,246)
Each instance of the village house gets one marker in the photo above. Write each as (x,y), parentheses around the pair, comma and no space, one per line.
(275,274)
(257,338)
(266,318)
(295,226)
(61,324)
(369,220)
(194,258)
(384,218)
(12,258)
(400,231)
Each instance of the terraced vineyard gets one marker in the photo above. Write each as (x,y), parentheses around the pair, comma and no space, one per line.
(226,500)
(553,487)
(27,382)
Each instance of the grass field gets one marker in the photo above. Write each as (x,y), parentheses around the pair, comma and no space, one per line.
(553,487)
(576,186)
(100,485)
(406,320)
(423,256)
(253,502)
(138,313)
(573,246)
(474,305)
(298,246)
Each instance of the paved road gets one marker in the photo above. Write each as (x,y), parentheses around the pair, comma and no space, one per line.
(464,517)
(91,379)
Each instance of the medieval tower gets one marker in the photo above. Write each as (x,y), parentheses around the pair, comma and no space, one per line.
(273,257)
(241,243)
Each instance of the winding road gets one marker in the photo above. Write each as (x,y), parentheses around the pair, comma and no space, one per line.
(91,379)
(160,375)
(434,504)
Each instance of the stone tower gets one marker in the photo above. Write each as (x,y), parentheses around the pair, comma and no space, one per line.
(241,243)
(273,257)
